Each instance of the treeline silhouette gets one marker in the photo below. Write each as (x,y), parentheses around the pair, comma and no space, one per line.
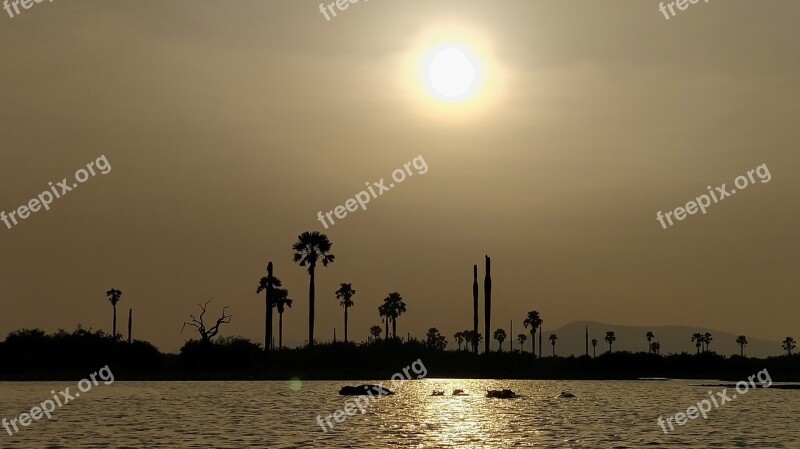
(33,355)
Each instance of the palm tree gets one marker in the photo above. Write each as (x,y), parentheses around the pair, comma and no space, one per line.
(435,340)
(268,284)
(500,336)
(345,293)
(649,336)
(594,347)
(534,320)
(655,347)
(741,340)
(697,338)
(459,337)
(280,300)
(788,345)
(395,307)
(707,339)
(553,338)
(114,296)
(311,248)
(610,339)
(521,339)
(375,331)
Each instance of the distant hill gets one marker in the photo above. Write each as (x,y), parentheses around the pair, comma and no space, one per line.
(673,339)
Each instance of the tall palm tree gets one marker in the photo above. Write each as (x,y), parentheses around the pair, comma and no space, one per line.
(280,301)
(310,249)
(741,340)
(553,338)
(345,293)
(395,307)
(594,347)
(610,339)
(697,339)
(267,284)
(707,339)
(375,331)
(521,339)
(534,320)
(649,336)
(114,296)
(459,338)
(788,345)
(500,336)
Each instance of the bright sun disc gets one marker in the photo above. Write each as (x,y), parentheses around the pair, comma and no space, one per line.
(452,73)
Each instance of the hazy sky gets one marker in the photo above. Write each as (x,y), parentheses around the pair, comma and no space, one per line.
(229,125)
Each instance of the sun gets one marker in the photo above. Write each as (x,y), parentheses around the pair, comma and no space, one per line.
(452,72)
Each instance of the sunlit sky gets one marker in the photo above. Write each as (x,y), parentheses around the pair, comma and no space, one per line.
(229,125)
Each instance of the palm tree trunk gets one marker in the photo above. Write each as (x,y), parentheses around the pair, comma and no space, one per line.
(533,343)
(114,326)
(280,331)
(475,306)
(130,325)
(741,351)
(541,354)
(311,307)
(487,293)
(345,324)
(394,327)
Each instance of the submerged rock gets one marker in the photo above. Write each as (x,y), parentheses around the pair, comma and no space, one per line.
(361,390)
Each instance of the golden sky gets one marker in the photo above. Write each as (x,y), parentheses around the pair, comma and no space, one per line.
(229,125)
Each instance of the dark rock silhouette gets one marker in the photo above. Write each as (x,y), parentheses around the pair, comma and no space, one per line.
(565,394)
(501,394)
(361,390)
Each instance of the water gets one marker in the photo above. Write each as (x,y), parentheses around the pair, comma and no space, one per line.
(283,415)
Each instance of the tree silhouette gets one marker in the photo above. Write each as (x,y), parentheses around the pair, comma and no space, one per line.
(267,284)
(610,339)
(434,340)
(345,293)
(521,338)
(280,301)
(459,338)
(310,249)
(697,339)
(500,336)
(788,345)
(395,306)
(383,311)
(197,322)
(487,293)
(474,307)
(655,347)
(375,331)
(649,336)
(114,296)
(594,347)
(534,320)
(553,338)
(741,340)
(707,339)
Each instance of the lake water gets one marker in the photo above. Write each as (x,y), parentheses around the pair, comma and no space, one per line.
(619,414)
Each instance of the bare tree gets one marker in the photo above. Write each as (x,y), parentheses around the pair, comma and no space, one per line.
(206,334)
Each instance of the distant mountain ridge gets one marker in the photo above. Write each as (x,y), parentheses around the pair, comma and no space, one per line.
(673,339)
